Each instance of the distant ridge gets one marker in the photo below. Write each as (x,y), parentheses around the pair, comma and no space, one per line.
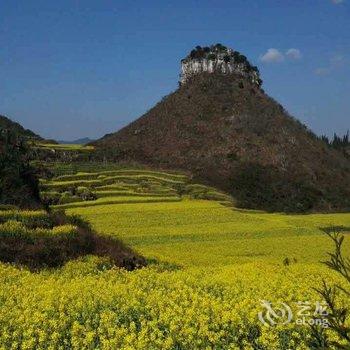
(221,126)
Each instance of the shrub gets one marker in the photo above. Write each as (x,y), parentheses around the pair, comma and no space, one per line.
(67,197)
(85,193)
(12,228)
(69,239)
(220,47)
(338,315)
(50,197)
(227,58)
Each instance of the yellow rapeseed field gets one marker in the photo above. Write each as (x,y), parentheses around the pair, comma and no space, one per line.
(210,268)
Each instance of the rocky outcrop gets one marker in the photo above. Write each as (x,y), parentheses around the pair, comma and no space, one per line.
(218,59)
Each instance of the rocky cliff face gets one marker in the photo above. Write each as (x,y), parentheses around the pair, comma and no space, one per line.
(217,59)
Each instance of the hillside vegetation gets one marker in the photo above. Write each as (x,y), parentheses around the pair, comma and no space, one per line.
(10,125)
(231,135)
(18,181)
(123,186)
(67,153)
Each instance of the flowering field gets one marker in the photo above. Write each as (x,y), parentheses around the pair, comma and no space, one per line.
(31,224)
(210,266)
(89,305)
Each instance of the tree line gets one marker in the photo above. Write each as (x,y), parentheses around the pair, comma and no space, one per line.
(341,143)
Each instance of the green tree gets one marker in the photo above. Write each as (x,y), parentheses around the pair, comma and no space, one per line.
(18,183)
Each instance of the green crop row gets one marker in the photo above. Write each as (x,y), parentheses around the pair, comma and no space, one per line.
(64,147)
(60,168)
(118,200)
(13,228)
(31,219)
(102,174)
(65,185)
(199,191)
(117,186)
(111,193)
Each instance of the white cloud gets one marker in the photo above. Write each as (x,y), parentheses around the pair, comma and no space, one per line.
(293,54)
(322,71)
(337,2)
(275,56)
(272,56)
(336,62)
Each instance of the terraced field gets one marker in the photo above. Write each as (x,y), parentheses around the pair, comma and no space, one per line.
(210,266)
(85,189)
(63,147)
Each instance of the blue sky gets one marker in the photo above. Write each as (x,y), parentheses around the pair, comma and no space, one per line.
(71,69)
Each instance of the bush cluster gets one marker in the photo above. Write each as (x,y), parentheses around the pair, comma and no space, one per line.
(38,239)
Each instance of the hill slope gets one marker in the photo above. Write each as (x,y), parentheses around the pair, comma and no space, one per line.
(229,133)
(8,124)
